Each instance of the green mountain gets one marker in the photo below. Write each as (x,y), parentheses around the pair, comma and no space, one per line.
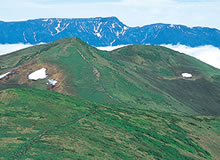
(40,124)
(134,104)
(135,76)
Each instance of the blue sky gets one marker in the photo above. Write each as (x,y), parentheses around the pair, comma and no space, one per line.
(131,12)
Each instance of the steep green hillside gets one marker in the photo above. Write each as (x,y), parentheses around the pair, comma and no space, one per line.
(40,124)
(134,76)
(134,104)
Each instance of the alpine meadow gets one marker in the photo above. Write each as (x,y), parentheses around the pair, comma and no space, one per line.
(134,104)
(109,80)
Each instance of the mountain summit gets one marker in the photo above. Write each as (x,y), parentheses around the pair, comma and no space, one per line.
(69,100)
(105,32)
(135,75)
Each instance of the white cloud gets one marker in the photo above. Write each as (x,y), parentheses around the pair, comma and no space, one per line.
(8,48)
(207,54)
(110,48)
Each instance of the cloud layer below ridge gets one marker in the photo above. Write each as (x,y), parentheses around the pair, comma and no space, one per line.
(207,54)
(8,48)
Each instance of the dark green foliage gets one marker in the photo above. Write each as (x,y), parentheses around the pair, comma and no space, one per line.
(134,75)
(60,126)
(140,109)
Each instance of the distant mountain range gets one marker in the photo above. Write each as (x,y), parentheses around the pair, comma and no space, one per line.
(105,32)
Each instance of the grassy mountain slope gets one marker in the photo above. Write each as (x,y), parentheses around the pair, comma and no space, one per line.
(133,76)
(161,68)
(41,124)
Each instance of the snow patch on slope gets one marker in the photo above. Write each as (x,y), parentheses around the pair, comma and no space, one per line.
(125,28)
(4,75)
(52,82)
(98,35)
(24,37)
(186,75)
(35,37)
(97,30)
(37,75)
(112,43)
(58,28)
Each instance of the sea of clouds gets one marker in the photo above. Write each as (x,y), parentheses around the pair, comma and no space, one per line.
(207,54)
(8,48)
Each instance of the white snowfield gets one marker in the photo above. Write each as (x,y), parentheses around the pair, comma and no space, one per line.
(39,74)
(4,75)
(186,75)
(52,82)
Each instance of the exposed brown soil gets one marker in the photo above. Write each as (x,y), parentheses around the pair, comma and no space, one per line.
(20,75)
